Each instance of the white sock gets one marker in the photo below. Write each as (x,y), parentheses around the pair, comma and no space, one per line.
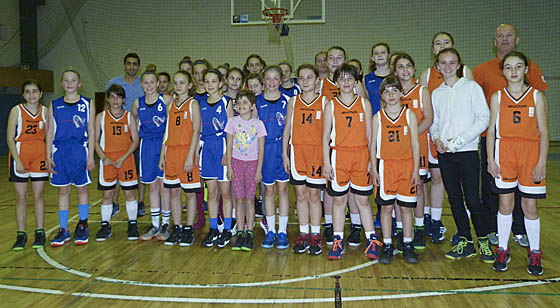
(355,219)
(282,224)
(132,209)
(106,211)
(369,233)
(399,224)
(233,214)
(328,219)
(165,217)
(155,217)
(407,239)
(533,228)
(436,213)
(304,229)
(504,228)
(271,221)
(341,234)
(419,222)
(426,210)
(315,229)
(388,241)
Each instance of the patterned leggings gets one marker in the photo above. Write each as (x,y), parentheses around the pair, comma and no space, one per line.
(243,182)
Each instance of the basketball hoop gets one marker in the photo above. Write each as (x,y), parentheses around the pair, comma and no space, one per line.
(276,14)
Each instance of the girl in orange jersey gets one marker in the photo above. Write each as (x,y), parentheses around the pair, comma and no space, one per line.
(416,98)
(517,147)
(346,160)
(116,138)
(178,156)
(395,135)
(26,142)
(303,133)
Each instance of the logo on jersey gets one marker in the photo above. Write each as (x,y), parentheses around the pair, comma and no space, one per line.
(280,118)
(78,121)
(219,126)
(158,121)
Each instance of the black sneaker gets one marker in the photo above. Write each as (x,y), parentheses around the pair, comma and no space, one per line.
(328,234)
(438,231)
(463,249)
(224,239)
(141,209)
(315,247)
(354,239)
(116,209)
(105,232)
(188,236)
(211,238)
(240,238)
(534,266)
(175,237)
(302,243)
(486,253)
(132,231)
(21,239)
(409,254)
(81,234)
(386,254)
(40,239)
(400,242)
(258,207)
(419,241)
(502,260)
(249,241)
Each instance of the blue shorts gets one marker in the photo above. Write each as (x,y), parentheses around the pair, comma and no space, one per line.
(70,164)
(150,150)
(273,166)
(212,150)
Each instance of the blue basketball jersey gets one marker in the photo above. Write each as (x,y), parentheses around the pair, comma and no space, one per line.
(213,117)
(200,96)
(372,87)
(70,120)
(152,118)
(293,91)
(273,115)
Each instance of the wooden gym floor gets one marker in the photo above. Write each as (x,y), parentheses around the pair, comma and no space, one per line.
(149,274)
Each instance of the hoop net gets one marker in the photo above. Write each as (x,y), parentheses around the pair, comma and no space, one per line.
(277,15)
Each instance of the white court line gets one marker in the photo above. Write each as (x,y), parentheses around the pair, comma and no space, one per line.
(32,290)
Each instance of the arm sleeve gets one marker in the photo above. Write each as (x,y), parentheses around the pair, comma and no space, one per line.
(434,129)
(536,78)
(481,114)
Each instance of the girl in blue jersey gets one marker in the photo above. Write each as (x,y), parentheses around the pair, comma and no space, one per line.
(215,109)
(288,87)
(272,106)
(379,66)
(70,146)
(151,112)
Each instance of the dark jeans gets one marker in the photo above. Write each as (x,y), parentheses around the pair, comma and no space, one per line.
(460,174)
(491,200)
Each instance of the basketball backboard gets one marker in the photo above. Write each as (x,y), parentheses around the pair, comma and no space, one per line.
(249,12)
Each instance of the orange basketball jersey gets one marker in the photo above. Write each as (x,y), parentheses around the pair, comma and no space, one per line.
(179,125)
(29,127)
(435,79)
(307,121)
(393,136)
(115,133)
(517,118)
(329,88)
(349,124)
(413,101)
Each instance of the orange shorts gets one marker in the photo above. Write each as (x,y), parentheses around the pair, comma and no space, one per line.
(516,159)
(394,178)
(432,154)
(306,165)
(174,175)
(351,171)
(33,157)
(126,174)
(424,152)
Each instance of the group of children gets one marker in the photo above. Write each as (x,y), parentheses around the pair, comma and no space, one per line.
(337,139)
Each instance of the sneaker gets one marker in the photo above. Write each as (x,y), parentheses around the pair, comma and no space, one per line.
(337,249)
(233,229)
(221,224)
(354,239)
(315,247)
(438,231)
(264,225)
(400,242)
(486,253)
(249,241)
(223,239)
(302,243)
(377,222)
(521,239)
(269,240)
(132,230)
(188,236)
(238,241)
(175,237)
(386,254)
(40,239)
(502,260)
(328,234)
(104,233)
(282,241)
(258,207)
(151,233)
(81,235)
(493,237)
(463,249)
(164,232)
(372,247)
(141,209)
(61,238)
(534,266)
(419,241)
(409,254)
(427,224)
(455,239)
(21,239)
(116,209)
(211,238)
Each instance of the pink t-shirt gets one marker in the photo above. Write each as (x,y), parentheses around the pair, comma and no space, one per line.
(245,137)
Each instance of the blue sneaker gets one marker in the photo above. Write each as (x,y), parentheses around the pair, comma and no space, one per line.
(61,238)
(81,235)
(269,240)
(337,249)
(428,224)
(372,247)
(282,241)
(377,223)
(455,239)
(437,231)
